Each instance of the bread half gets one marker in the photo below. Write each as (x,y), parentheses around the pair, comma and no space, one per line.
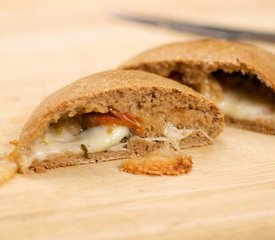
(238,77)
(114,115)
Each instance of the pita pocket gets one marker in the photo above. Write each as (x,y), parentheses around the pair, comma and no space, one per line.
(238,77)
(114,115)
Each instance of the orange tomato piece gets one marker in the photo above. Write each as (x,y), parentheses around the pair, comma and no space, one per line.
(129,120)
(114,117)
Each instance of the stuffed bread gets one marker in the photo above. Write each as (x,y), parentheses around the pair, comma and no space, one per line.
(114,115)
(238,77)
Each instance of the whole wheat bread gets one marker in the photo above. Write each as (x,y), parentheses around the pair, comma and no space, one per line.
(152,98)
(191,62)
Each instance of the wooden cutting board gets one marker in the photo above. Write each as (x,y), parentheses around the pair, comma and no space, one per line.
(230,194)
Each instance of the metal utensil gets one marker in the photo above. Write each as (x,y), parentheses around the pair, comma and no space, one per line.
(200,29)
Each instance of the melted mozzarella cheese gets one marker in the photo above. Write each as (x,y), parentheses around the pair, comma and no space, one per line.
(96,139)
(173,135)
(240,105)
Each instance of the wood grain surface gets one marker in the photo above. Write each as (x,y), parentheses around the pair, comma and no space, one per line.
(230,194)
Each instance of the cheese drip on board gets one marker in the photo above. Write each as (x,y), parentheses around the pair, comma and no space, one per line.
(164,161)
(167,160)
(95,139)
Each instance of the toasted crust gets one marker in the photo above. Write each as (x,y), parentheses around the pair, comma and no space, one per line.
(126,91)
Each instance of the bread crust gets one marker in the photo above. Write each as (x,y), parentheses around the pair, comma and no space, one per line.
(207,56)
(211,55)
(125,91)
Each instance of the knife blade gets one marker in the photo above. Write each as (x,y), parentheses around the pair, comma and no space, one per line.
(199,29)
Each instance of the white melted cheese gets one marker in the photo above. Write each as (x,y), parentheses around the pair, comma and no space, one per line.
(173,135)
(241,105)
(99,139)
(96,139)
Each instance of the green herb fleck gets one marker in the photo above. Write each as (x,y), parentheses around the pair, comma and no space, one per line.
(85,151)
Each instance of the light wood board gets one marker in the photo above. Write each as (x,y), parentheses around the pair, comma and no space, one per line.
(230,194)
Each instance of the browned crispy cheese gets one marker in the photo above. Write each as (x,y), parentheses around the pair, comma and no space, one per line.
(163,162)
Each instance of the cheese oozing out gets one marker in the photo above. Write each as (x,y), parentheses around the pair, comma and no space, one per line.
(239,97)
(96,139)
(173,135)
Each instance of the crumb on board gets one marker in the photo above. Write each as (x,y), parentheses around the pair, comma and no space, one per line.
(13,142)
(158,163)
(8,169)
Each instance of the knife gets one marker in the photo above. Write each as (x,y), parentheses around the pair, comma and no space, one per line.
(199,29)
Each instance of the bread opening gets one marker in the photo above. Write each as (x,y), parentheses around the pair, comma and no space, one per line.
(84,134)
(245,97)
(94,132)
(240,96)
